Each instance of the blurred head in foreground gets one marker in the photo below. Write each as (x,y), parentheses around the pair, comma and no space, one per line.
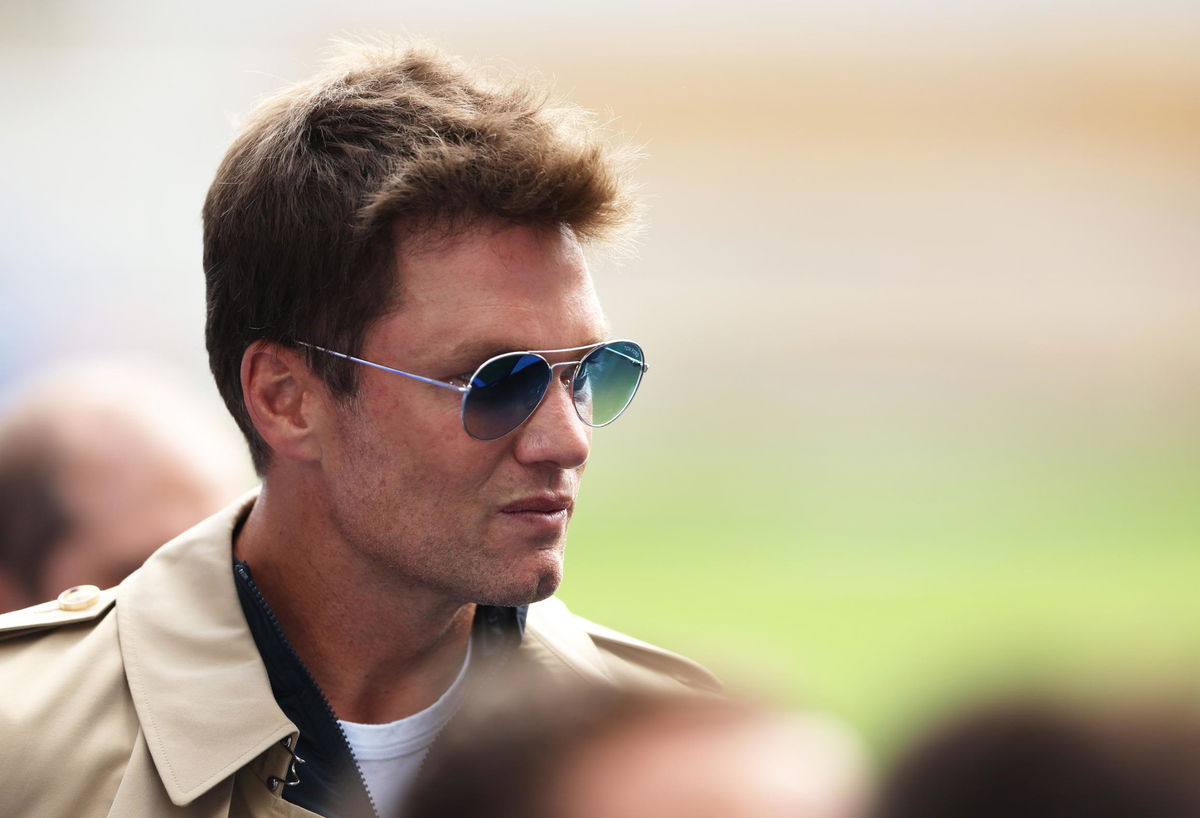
(600,752)
(1037,759)
(100,464)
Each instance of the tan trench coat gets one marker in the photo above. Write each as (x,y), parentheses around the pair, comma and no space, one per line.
(153,700)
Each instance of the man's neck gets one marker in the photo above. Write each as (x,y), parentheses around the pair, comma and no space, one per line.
(380,650)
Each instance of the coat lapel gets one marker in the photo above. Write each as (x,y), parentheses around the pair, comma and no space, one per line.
(198,684)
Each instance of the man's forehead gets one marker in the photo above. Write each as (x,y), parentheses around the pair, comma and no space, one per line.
(485,244)
(475,333)
(495,289)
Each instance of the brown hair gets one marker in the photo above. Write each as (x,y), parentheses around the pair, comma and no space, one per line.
(1046,759)
(33,518)
(508,749)
(385,146)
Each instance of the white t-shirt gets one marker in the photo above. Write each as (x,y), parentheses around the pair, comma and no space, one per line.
(390,755)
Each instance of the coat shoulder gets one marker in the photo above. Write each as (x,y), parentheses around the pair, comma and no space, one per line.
(599,652)
(47,651)
(66,716)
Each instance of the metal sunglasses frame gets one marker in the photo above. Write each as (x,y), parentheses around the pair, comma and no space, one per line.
(538,353)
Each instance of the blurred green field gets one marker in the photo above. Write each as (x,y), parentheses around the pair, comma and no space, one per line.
(885,573)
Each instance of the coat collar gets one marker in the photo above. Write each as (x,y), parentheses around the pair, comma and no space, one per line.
(198,685)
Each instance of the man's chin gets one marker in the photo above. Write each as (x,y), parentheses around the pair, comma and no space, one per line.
(537,588)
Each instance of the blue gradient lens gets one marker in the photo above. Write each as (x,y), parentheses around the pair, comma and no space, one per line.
(504,393)
(606,381)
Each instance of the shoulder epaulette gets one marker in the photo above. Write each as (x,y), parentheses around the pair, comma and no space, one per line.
(79,604)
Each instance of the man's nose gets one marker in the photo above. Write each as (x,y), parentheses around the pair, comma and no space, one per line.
(554,433)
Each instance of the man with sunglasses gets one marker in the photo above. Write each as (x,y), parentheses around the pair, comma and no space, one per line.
(401,321)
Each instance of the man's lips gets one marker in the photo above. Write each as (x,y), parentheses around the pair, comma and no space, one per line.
(540,504)
(543,514)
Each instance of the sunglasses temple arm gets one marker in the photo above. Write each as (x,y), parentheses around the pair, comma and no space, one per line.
(420,378)
(629,358)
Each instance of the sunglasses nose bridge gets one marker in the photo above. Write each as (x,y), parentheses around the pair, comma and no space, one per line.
(567,379)
(573,364)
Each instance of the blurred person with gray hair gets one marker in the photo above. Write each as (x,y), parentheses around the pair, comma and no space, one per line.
(402,322)
(101,463)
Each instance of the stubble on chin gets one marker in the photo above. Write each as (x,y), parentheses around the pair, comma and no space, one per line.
(517,591)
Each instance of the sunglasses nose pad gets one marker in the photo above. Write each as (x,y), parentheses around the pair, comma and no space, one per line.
(503,394)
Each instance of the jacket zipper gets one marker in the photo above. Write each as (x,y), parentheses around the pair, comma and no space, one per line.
(262,601)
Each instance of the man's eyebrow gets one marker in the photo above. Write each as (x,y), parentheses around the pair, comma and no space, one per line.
(480,351)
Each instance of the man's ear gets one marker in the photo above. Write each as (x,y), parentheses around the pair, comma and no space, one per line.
(284,399)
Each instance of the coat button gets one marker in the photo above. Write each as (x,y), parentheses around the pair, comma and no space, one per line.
(79,598)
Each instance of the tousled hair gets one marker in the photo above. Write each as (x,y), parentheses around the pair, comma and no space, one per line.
(386,146)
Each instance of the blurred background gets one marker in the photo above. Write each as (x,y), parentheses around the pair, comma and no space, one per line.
(919,291)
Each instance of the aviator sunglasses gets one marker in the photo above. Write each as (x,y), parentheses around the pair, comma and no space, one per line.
(506,389)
